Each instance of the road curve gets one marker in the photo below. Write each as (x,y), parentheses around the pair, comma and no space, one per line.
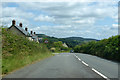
(106,67)
(63,65)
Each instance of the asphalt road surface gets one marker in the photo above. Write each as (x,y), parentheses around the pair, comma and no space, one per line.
(69,65)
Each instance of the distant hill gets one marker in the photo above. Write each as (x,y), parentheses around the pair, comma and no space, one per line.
(42,35)
(70,41)
(73,41)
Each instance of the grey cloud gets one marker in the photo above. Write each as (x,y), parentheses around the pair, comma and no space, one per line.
(71,19)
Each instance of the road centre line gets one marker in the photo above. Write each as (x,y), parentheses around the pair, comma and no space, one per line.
(85,63)
(93,69)
(79,59)
(100,74)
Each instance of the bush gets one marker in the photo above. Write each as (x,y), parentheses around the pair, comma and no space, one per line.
(106,48)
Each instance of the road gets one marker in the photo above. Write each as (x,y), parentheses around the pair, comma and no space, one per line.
(69,65)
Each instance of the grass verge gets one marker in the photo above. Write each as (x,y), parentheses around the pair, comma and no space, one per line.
(18,51)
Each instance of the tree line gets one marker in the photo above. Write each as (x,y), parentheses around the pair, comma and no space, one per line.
(106,48)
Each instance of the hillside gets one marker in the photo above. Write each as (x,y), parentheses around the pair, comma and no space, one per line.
(18,51)
(73,41)
(70,41)
(106,48)
(42,35)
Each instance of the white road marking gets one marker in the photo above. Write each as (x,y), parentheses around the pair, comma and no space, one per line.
(93,68)
(79,59)
(85,63)
(75,56)
(100,74)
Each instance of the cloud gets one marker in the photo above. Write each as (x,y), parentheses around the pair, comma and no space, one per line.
(60,1)
(44,18)
(86,20)
(16,12)
(7,21)
(68,18)
(66,10)
(115,25)
(10,13)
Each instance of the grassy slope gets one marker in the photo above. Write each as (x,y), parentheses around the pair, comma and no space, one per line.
(106,48)
(18,51)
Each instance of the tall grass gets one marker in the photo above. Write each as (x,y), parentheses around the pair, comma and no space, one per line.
(18,51)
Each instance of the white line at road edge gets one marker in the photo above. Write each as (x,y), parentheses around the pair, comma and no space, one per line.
(100,74)
(92,68)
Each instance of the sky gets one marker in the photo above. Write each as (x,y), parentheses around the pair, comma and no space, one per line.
(96,19)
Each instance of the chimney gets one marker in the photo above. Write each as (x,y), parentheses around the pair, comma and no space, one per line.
(13,22)
(31,32)
(34,32)
(26,29)
(20,24)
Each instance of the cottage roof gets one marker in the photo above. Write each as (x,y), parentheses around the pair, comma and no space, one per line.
(21,30)
(25,32)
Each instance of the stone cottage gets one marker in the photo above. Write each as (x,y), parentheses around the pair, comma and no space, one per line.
(22,32)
